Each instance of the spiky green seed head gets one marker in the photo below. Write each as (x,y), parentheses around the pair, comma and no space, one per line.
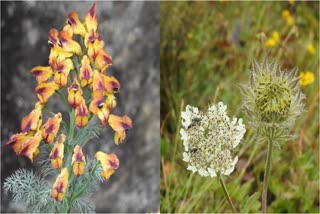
(272,97)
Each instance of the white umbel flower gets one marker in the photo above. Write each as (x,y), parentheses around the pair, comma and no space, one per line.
(208,139)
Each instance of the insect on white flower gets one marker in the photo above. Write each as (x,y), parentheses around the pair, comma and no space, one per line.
(209,138)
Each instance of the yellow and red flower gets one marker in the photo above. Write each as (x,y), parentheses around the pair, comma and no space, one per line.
(33,120)
(85,72)
(61,69)
(78,161)
(60,185)
(75,93)
(99,107)
(75,23)
(42,73)
(102,60)
(26,144)
(120,125)
(82,114)
(56,154)
(51,128)
(45,90)
(104,83)
(109,163)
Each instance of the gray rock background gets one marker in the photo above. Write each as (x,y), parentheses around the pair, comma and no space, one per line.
(131,33)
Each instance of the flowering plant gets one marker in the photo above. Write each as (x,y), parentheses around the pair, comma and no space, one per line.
(76,73)
(209,138)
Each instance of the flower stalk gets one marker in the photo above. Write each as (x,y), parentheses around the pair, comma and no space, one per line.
(225,190)
(267,172)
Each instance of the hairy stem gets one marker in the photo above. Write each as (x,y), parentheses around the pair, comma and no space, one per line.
(226,193)
(267,173)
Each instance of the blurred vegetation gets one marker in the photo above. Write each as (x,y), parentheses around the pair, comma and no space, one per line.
(206,51)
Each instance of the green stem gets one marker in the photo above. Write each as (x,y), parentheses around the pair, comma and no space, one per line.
(267,173)
(85,186)
(226,193)
(64,99)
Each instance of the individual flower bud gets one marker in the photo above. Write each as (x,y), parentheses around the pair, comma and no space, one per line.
(56,154)
(120,125)
(51,128)
(45,90)
(60,185)
(109,163)
(78,161)
(33,120)
(74,93)
(82,114)
(209,139)
(272,96)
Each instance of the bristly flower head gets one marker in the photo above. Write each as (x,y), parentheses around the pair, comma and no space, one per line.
(209,138)
(272,98)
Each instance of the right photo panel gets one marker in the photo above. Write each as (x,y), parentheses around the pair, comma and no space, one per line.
(239,107)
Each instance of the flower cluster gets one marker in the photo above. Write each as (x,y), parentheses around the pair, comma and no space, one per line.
(77,66)
(272,97)
(209,138)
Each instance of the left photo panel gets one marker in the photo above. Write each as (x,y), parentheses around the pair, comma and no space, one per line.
(80,107)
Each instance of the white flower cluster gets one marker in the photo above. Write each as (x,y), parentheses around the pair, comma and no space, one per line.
(208,139)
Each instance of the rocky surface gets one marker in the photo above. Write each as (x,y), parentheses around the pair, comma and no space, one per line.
(131,33)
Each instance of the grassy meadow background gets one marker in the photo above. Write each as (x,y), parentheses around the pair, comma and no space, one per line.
(206,51)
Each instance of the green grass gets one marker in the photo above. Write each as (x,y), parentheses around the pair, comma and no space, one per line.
(203,60)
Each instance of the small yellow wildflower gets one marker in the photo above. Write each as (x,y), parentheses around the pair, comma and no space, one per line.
(190,35)
(287,16)
(311,49)
(273,40)
(306,78)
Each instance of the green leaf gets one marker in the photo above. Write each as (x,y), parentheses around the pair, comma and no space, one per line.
(163,146)
(251,204)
